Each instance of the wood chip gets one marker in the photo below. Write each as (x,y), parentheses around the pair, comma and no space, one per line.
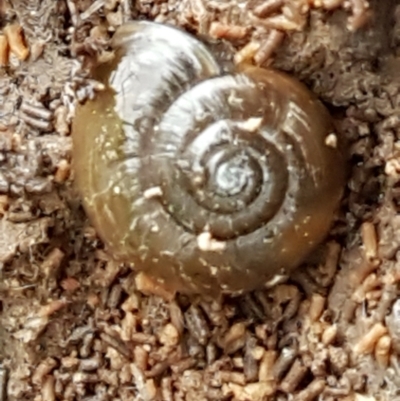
(367,343)
(382,351)
(4,51)
(16,41)
(219,30)
(370,241)
(267,7)
(269,46)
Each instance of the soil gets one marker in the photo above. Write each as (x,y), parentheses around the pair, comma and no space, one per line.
(73,323)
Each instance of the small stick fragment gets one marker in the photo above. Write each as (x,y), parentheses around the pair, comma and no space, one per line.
(294,377)
(95,6)
(90,364)
(177,318)
(52,307)
(250,364)
(219,30)
(61,120)
(329,269)
(37,123)
(266,50)
(43,369)
(317,305)
(4,49)
(16,41)
(52,262)
(232,377)
(265,372)
(312,391)
(258,391)
(370,241)
(246,54)
(362,270)
(143,338)
(75,17)
(367,343)
(281,23)
(234,338)
(166,389)
(3,383)
(370,283)
(284,362)
(36,111)
(329,334)
(158,369)
(183,364)
(141,357)
(196,324)
(37,50)
(47,390)
(267,7)
(62,172)
(382,351)
(115,343)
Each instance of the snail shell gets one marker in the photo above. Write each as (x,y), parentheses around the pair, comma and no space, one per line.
(206,181)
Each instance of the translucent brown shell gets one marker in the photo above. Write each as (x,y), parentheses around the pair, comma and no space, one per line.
(208,182)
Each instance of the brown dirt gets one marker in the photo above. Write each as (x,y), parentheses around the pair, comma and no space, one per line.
(72,324)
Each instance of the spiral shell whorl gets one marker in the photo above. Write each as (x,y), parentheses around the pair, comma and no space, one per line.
(177,150)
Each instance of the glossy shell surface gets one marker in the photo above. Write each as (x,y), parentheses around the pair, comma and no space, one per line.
(206,181)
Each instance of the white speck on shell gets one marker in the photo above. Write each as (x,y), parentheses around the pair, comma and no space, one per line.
(331,141)
(251,125)
(277,279)
(152,192)
(207,243)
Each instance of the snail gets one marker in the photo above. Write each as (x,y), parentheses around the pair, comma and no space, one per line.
(206,181)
